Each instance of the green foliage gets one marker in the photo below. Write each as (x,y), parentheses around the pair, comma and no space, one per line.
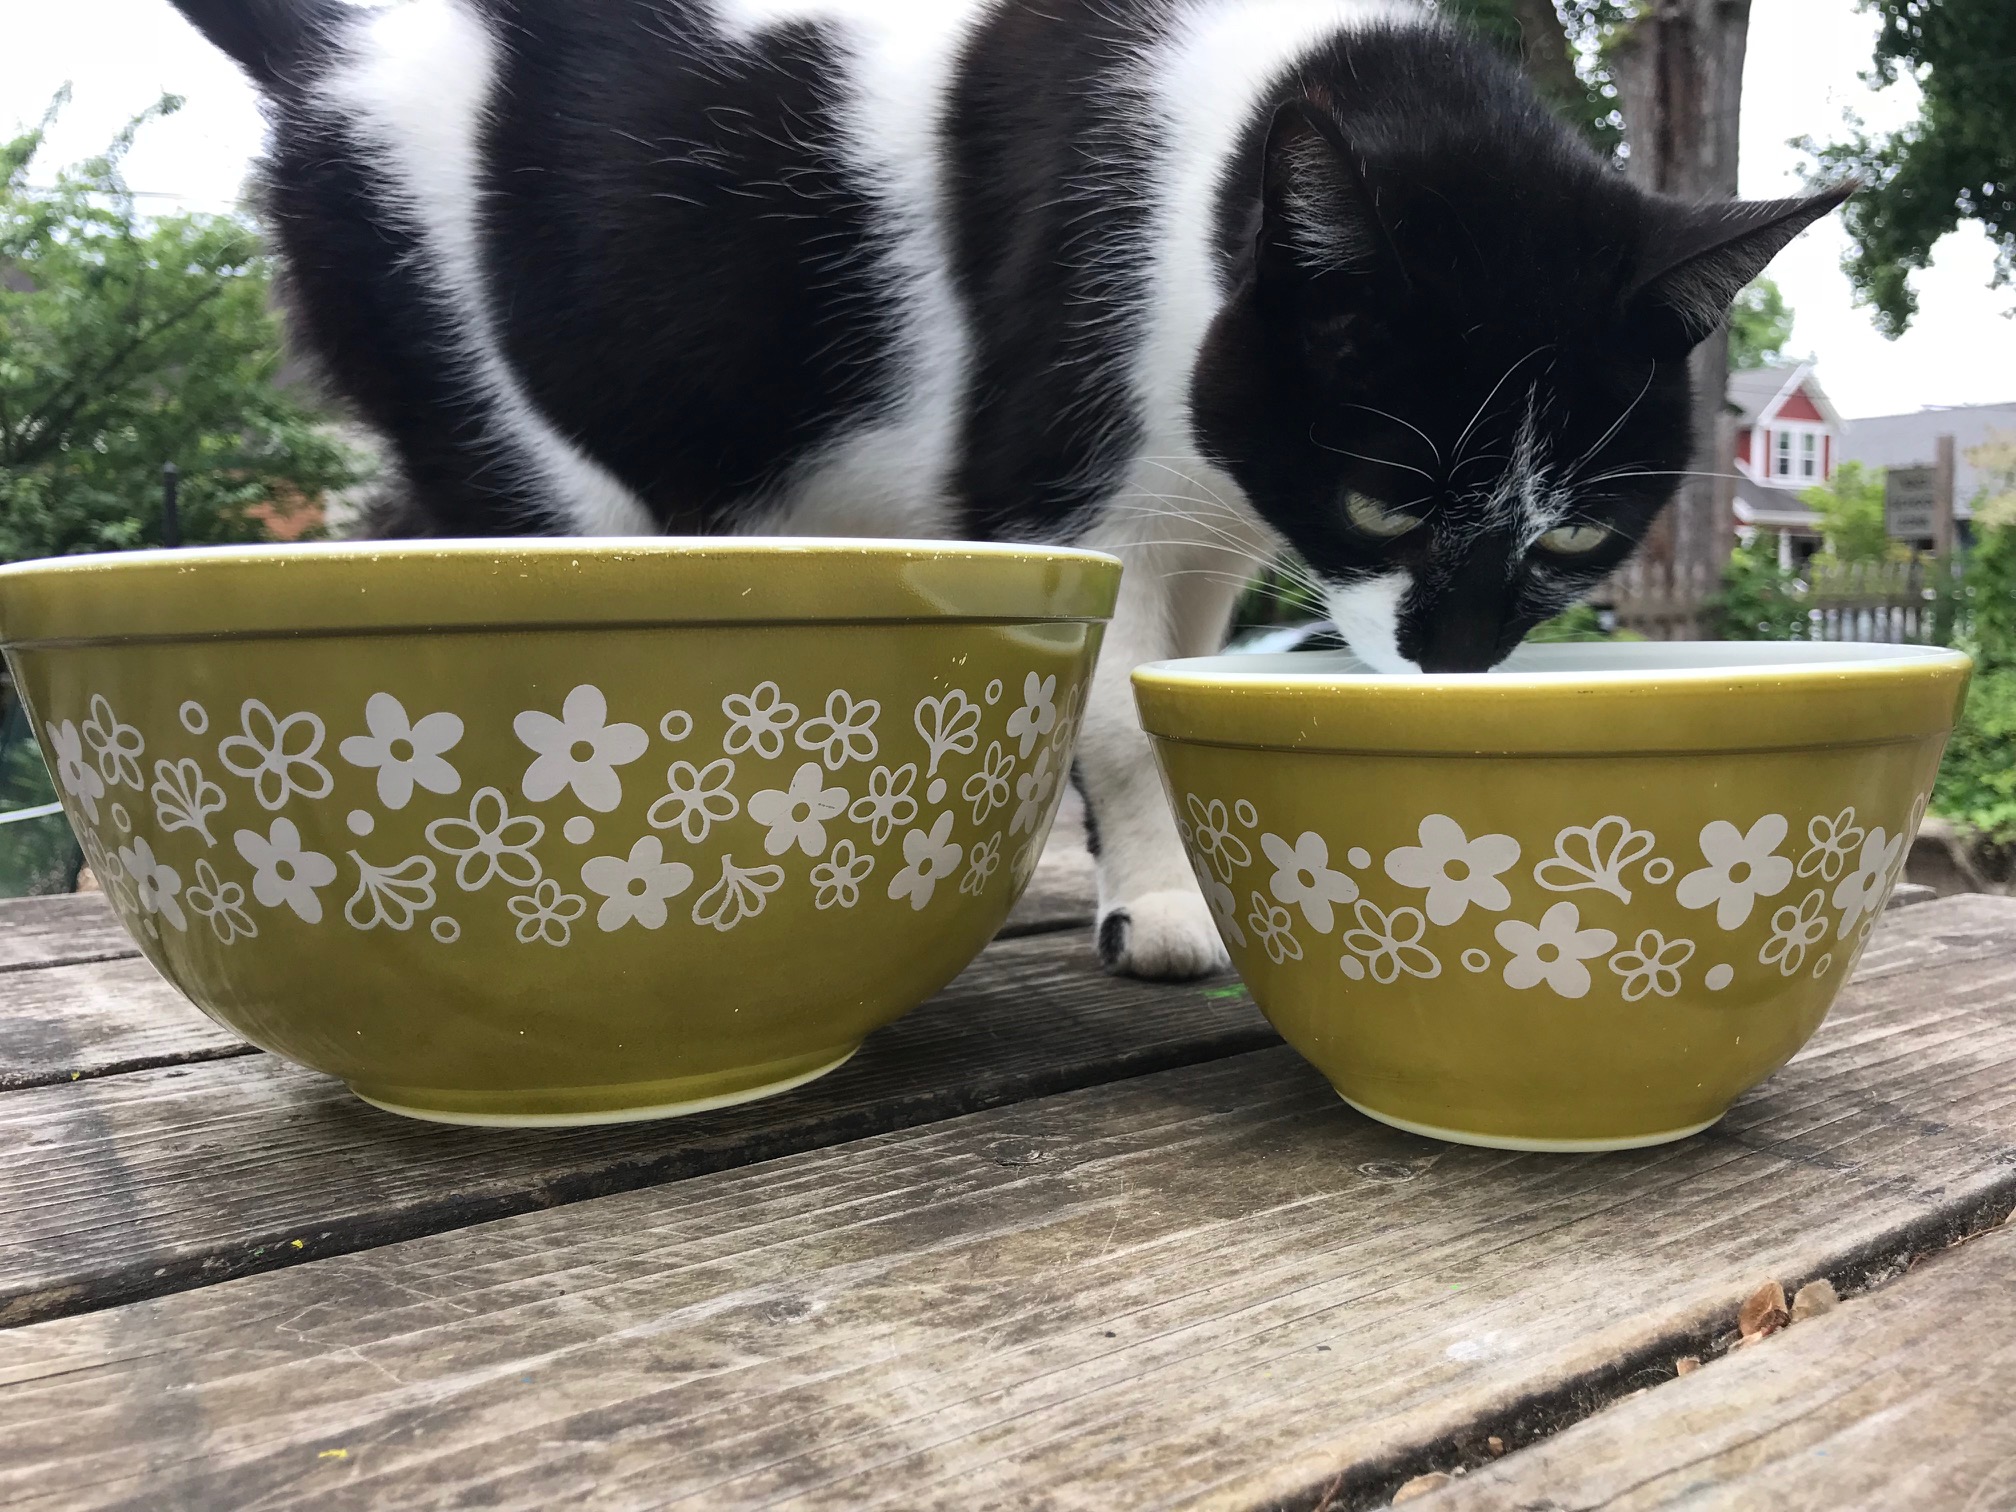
(1850,507)
(1580,623)
(1952,163)
(36,855)
(127,343)
(1562,45)
(1760,324)
(1977,781)
(1759,600)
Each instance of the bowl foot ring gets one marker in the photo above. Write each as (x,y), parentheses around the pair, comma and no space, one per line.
(588,1117)
(1541,1146)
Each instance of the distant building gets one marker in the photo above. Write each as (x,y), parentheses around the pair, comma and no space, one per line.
(1912,441)
(1788,439)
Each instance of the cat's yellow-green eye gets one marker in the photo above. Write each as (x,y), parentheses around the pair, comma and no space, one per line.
(1375,519)
(1574,540)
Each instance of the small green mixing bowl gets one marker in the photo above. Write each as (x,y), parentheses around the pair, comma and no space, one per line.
(1580,903)
(560,831)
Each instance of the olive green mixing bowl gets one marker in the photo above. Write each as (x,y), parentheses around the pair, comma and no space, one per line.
(1583,902)
(560,831)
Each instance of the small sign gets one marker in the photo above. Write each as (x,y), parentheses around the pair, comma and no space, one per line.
(1911,503)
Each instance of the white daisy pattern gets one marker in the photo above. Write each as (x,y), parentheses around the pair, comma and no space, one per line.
(285,873)
(1864,890)
(1832,839)
(888,803)
(1032,788)
(221,904)
(988,788)
(1387,946)
(1457,873)
(79,778)
(1743,866)
(1652,965)
(407,753)
(580,750)
(796,816)
(1210,832)
(547,913)
(1555,951)
(156,884)
(1795,929)
(981,865)
(1303,878)
(117,747)
(1038,715)
(1274,927)
(699,799)
(844,733)
(929,857)
(492,842)
(634,888)
(836,881)
(758,720)
(277,755)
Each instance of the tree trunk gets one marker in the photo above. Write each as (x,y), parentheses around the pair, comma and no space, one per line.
(1679,74)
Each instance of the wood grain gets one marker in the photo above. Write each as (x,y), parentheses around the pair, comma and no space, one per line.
(1212,1286)
(62,1024)
(1900,1399)
(140,1184)
(60,931)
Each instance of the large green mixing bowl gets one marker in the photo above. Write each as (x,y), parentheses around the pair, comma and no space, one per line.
(1580,903)
(560,831)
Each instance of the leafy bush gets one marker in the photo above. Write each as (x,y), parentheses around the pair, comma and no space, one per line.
(1759,600)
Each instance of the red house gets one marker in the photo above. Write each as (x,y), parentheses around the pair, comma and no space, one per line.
(1787,437)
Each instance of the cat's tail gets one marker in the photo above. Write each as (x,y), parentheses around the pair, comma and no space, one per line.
(277,42)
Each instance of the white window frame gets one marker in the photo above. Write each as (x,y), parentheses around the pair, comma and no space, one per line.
(1796,447)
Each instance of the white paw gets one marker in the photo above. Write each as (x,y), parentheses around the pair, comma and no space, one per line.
(1164,936)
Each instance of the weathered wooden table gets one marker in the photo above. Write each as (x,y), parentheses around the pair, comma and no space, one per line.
(1056,1240)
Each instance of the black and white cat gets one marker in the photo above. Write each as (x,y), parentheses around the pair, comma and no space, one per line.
(1181,279)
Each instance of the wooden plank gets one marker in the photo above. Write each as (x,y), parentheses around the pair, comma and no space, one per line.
(61,1024)
(1898,1399)
(60,931)
(141,1184)
(1211,1287)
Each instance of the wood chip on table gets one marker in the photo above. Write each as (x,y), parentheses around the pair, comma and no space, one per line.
(1421,1485)
(1813,1299)
(1763,1313)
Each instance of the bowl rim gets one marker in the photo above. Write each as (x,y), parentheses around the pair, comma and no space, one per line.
(1827,694)
(604,582)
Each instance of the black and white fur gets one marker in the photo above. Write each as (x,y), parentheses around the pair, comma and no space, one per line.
(1181,279)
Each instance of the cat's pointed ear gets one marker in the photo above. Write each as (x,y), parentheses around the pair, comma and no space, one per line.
(1705,256)
(1318,213)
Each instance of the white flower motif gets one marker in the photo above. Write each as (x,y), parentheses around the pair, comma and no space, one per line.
(797,815)
(1795,929)
(1833,842)
(220,902)
(634,889)
(1455,870)
(1274,927)
(1303,878)
(1033,788)
(1038,715)
(1553,951)
(1865,889)
(1741,869)
(1211,836)
(844,733)
(184,798)
(1223,904)
(278,755)
(547,913)
(1390,943)
(981,865)
(491,842)
(581,749)
(742,893)
(80,779)
(405,753)
(116,746)
(155,883)
(391,895)
(930,857)
(948,724)
(757,721)
(987,789)
(285,872)
(1595,857)
(699,798)
(1652,965)
(837,880)
(888,801)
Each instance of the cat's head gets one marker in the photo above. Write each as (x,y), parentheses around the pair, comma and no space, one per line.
(1453,372)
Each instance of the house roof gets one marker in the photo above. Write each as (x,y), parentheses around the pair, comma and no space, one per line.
(1913,441)
(1770,508)
(1756,393)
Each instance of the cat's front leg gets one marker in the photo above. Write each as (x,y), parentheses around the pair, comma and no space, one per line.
(1175,600)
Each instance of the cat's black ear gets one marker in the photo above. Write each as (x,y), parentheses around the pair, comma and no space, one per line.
(1318,212)
(1704,257)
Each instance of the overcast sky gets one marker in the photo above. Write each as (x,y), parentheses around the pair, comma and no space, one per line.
(1805,58)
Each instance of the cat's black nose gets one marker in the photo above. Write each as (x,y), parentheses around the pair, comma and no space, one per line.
(1457,644)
